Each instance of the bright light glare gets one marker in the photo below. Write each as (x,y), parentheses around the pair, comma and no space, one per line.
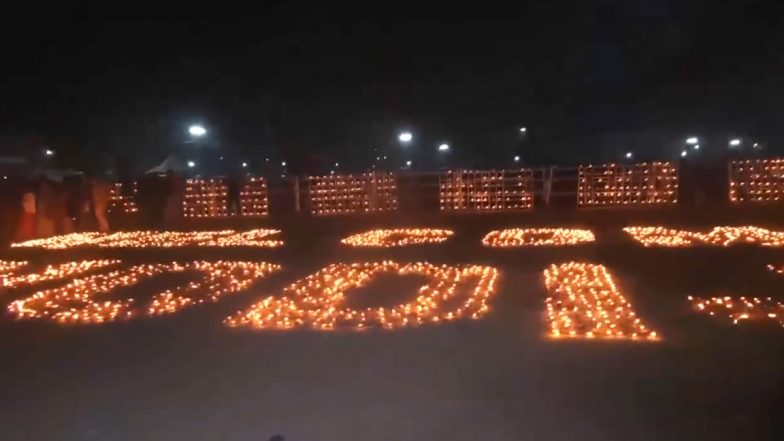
(755,145)
(684,153)
(197,130)
(283,163)
(244,164)
(405,137)
(735,142)
(693,140)
(191,164)
(629,155)
(696,146)
(443,147)
(408,163)
(49,152)
(523,129)
(516,159)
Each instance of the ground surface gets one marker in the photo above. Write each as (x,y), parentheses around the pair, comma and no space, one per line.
(187,376)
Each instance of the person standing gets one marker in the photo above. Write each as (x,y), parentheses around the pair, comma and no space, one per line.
(45,200)
(26,227)
(100,193)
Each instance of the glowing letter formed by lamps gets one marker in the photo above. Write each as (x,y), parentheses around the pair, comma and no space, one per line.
(73,302)
(158,239)
(316,301)
(718,236)
(397,237)
(12,279)
(585,303)
(520,237)
(743,308)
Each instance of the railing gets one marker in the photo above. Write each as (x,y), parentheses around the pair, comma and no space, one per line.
(209,198)
(352,194)
(120,201)
(486,190)
(756,180)
(631,185)
(635,184)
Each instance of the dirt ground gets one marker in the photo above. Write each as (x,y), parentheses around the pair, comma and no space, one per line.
(187,376)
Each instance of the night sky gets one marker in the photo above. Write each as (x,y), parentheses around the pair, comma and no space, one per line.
(589,80)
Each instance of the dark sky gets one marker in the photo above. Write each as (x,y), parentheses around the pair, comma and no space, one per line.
(588,79)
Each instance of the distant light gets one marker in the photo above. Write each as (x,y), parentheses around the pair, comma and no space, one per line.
(49,152)
(332,172)
(628,155)
(684,153)
(244,164)
(755,145)
(408,163)
(197,130)
(5,177)
(405,137)
(283,163)
(385,157)
(735,142)
(523,129)
(336,164)
(378,158)
(516,159)
(693,140)
(443,148)
(696,146)
(191,164)
(266,159)
(221,158)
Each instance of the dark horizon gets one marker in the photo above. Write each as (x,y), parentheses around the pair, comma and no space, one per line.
(589,82)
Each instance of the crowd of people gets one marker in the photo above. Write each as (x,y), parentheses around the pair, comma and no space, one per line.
(42,207)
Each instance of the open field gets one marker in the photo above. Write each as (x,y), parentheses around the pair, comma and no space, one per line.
(500,377)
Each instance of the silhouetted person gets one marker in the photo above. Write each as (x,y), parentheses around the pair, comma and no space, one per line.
(233,186)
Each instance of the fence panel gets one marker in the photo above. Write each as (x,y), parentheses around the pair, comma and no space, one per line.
(756,180)
(486,190)
(350,194)
(634,184)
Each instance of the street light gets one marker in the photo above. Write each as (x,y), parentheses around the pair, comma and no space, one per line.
(244,165)
(283,164)
(405,137)
(49,152)
(517,158)
(734,142)
(684,153)
(756,145)
(191,164)
(443,148)
(523,130)
(197,130)
(629,155)
(692,140)
(408,163)
(696,146)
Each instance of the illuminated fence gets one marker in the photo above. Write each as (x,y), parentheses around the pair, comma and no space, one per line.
(122,203)
(254,198)
(636,184)
(346,194)
(756,180)
(493,190)
(205,198)
(210,198)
